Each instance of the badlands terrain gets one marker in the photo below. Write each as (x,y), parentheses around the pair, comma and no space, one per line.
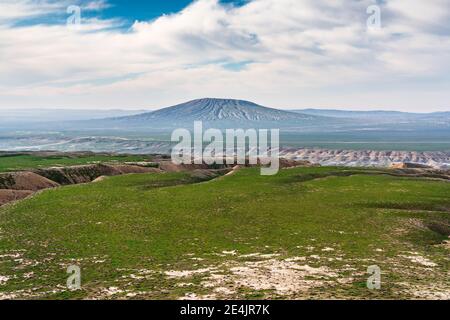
(365,158)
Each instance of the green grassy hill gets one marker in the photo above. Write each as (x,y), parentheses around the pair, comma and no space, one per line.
(29,161)
(305,233)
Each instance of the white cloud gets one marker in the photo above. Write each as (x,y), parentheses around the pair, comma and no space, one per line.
(421,13)
(95,5)
(297,53)
(12,10)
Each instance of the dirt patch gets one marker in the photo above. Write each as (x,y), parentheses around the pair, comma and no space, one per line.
(446,244)
(416,258)
(4,279)
(100,179)
(7,196)
(187,273)
(431,291)
(233,171)
(284,278)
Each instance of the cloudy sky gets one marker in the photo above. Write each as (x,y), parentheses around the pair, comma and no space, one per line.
(279,53)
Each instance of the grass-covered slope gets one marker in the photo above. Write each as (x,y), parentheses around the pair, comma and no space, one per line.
(305,233)
(28,161)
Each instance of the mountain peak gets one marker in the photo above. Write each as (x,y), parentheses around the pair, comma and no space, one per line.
(222,101)
(215,109)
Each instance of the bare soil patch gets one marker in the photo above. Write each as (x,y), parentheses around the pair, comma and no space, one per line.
(13,195)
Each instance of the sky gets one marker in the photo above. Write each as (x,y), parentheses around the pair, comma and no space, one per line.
(289,54)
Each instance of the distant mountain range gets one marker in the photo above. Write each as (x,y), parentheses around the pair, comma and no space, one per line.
(373,115)
(225,113)
(140,131)
(214,110)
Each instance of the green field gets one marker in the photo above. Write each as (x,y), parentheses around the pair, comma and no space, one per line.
(23,162)
(305,233)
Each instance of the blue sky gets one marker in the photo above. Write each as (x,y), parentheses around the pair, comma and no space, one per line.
(143,10)
(132,10)
(127,10)
(279,53)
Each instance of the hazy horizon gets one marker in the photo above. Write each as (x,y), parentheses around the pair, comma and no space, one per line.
(288,108)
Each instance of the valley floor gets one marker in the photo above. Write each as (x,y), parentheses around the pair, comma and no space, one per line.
(307,233)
